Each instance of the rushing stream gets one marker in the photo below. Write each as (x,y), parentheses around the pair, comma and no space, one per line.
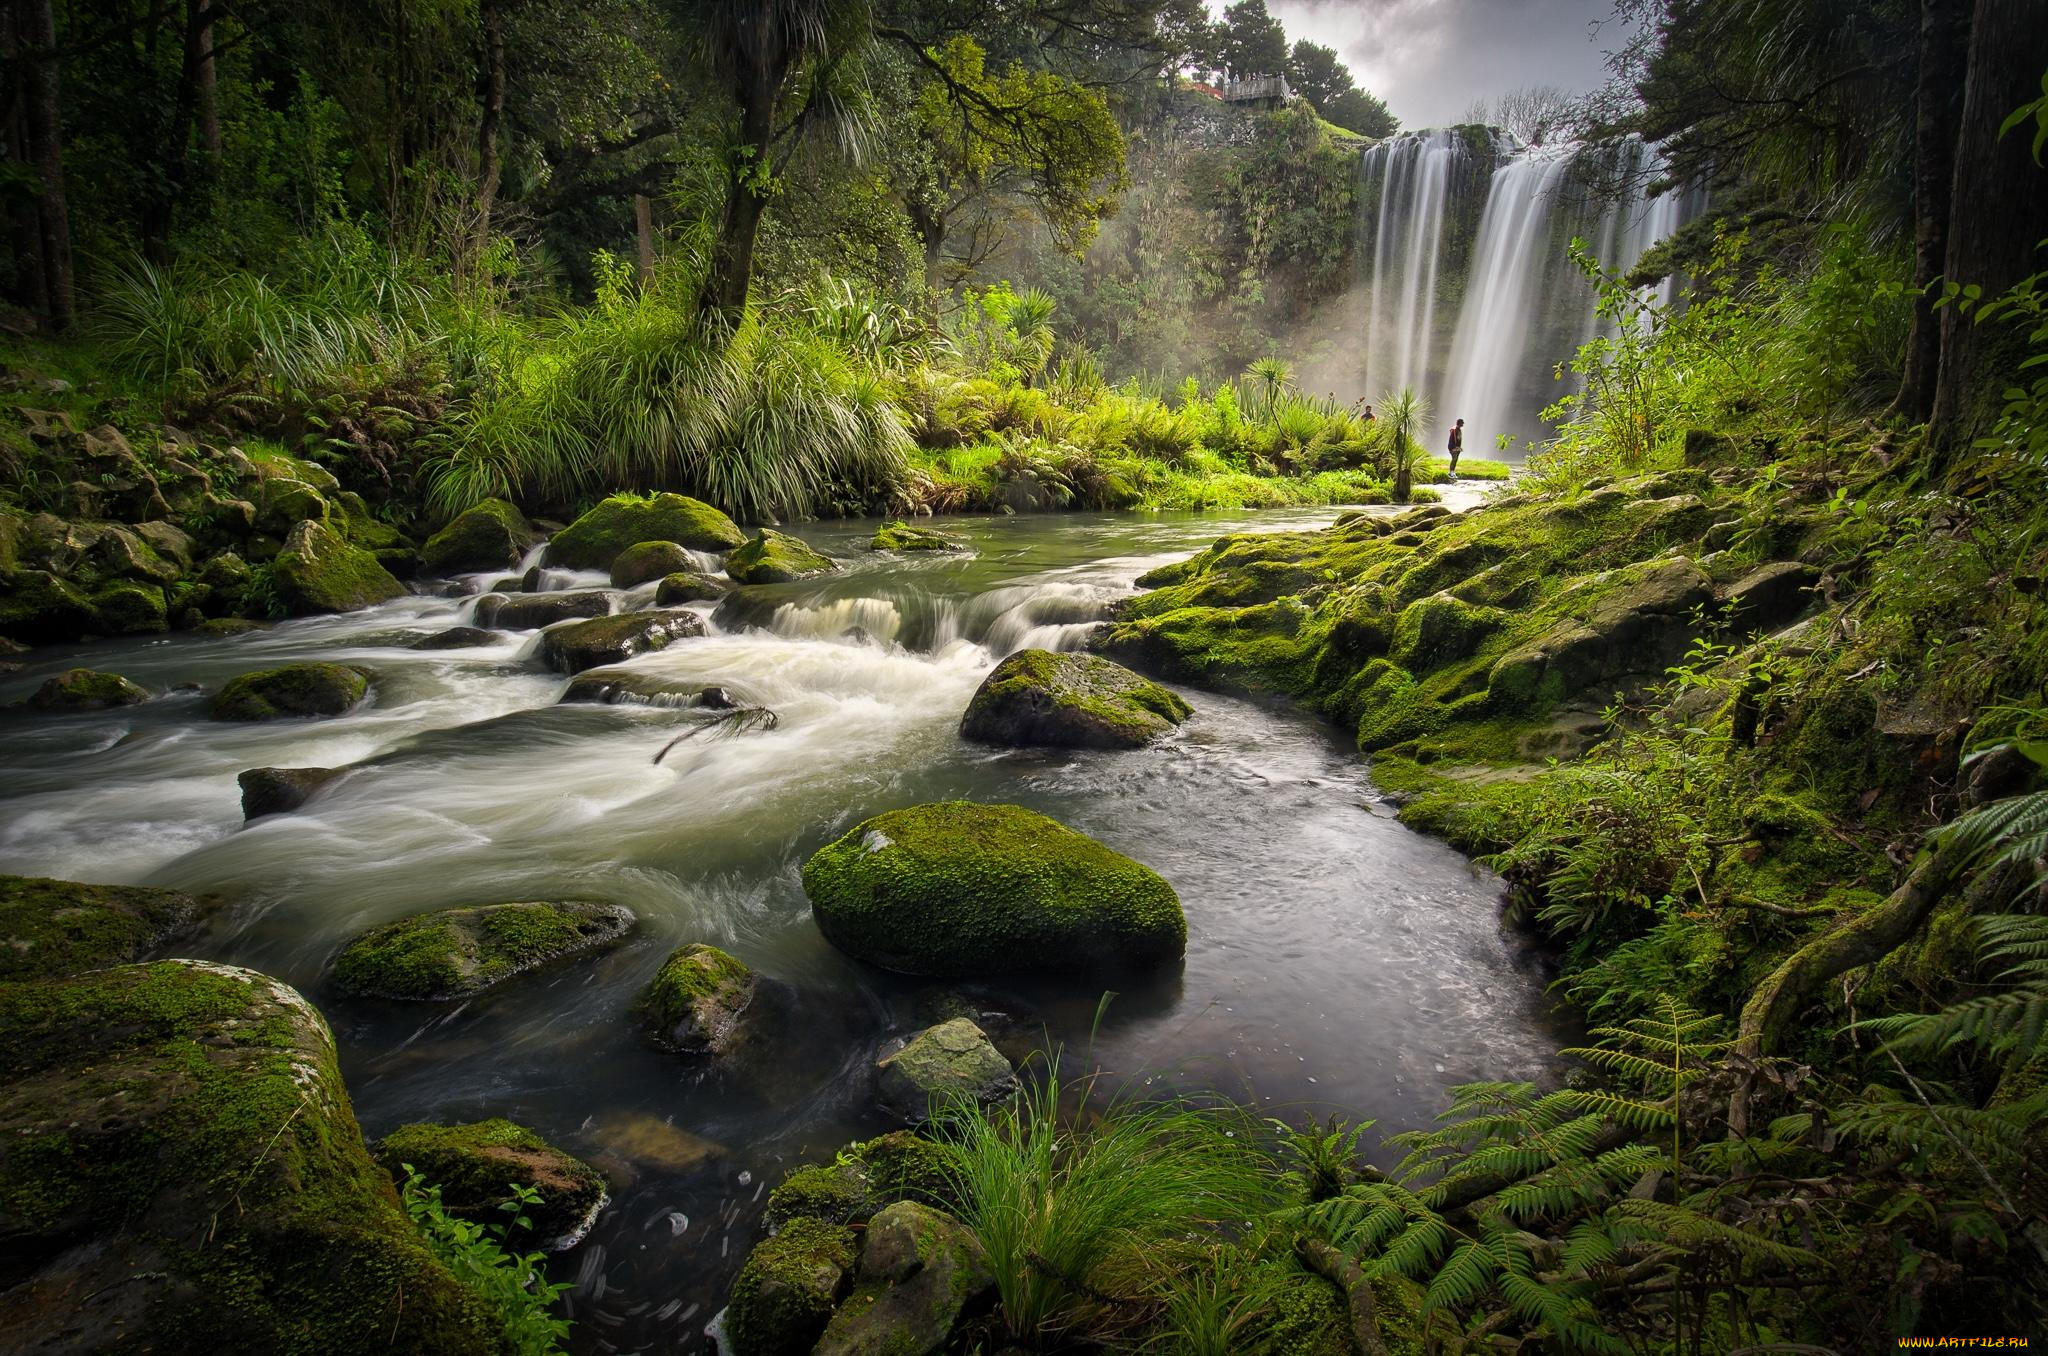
(1335,959)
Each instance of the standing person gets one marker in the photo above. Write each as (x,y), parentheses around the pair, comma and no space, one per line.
(1457,446)
(1367,416)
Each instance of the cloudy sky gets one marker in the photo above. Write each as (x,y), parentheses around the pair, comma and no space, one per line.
(1429,59)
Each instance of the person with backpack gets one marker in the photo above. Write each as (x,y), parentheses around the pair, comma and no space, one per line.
(1456,446)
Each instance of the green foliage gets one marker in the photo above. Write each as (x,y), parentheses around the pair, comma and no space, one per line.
(513,1284)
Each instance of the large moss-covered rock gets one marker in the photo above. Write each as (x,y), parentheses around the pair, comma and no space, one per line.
(456,638)
(491,536)
(695,1001)
(59,927)
(959,888)
(181,1172)
(1069,701)
(920,1270)
(316,571)
(476,1166)
(130,609)
(901,536)
(953,1061)
(771,557)
(527,611)
(280,790)
(899,1166)
(459,952)
(86,690)
(686,586)
(786,1291)
(317,689)
(596,538)
(648,560)
(613,640)
(36,605)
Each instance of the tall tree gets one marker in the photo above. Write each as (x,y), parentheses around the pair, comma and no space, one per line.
(43,115)
(1252,41)
(1937,118)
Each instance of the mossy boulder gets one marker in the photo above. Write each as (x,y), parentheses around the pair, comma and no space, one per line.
(130,609)
(899,1166)
(316,689)
(960,888)
(317,571)
(280,790)
(456,638)
(1082,701)
(953,1061)
(492,535)
(529,611)
(648,560)
(1442,629)
(900,536)
(86,690)
(920,1271)
(771,557)
(476,1165)
(685,586)
(37,606)
(694,1004)
(180,1171)
(638,687)
(613,640)
(60,927)
(594,540)
(458,952)
(281,502)
(786,1291)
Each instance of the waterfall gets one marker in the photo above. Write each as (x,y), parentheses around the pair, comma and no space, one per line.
(1413,175)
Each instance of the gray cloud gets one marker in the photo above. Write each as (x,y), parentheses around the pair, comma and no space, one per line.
(1429,59)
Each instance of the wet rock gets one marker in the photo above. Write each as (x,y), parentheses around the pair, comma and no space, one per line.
(1082,701)
(694,1004)
(771,557)
(647,560)
(458,952)
(61,927)
(900,536)
(1441,629)
(283,502)
(474,1164)
(685,586)
(920,1270)
(950,1062)
(786,1291)
(130,610)
(633,1142)
(1771,596)
(1631,622)
(183,1173)
(280,790)
(530,611)
(491,536)
(863,1178)
(230,626)
(169,541)
(637,687)
(86,690)
(959,888)
(317,571)
(596,538)
(611,640)
(456,638)
(317,689)
(36,605)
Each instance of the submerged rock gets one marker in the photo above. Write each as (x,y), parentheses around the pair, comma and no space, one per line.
(294,690)
(456,638)
(594,540)
(942,1064)
(694,1004)
(959,888)
(60,927)
(920,1270)
(531,611)
(459,952)
(475,1164)
(772,557)
(86,690)
(316,570)
(611,640)
(280,790)
(1080,701)
(182,1172)
(786,1291)
(685,586)
(647,560)
(491,536)
(900,536)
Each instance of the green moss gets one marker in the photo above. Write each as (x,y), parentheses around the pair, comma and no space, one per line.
(477,1165)
(318,571)
(686,586)
(59,927)
(36,606)
(458,952)
(596,538)
(1038,697)
(293,690)
(646,560)
(772,557)
(901,536)
(130,610)
(1441,629)
(959,888)
(834,1193)
(785,1292)
(492,535)
(899,1166)
(694,1002)
(86,690)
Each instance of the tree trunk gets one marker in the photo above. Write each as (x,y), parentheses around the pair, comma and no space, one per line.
(209,89)
(25,287)
(1938,105)
(763,62)
(489,164)
(1998,202)
(38,38)
(643,233)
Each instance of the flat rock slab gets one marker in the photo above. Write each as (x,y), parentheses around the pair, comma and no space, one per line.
(295,690)
(612,640)
(531,611)
(636,687)
(60,927)
(456,638)
(458,952)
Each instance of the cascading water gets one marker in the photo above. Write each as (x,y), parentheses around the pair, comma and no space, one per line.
(1413,175)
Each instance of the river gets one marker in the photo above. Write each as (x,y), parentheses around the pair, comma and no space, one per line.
(1336,960)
